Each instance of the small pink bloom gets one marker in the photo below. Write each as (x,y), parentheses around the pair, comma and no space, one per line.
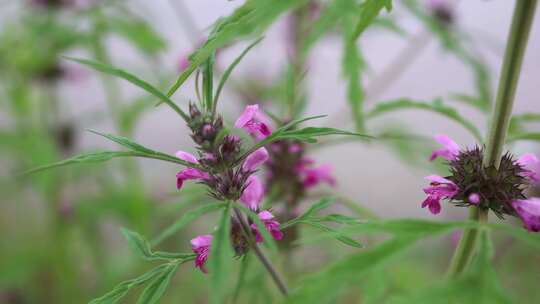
(474,198)
(201,246)
(313,176)
(271,225)
(449,151)
(253,193)
(529,163)
(440,188)
(255,159)
(529,211)
(254,122)
(189,174)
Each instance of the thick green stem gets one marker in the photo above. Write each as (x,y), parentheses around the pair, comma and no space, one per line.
(513,58)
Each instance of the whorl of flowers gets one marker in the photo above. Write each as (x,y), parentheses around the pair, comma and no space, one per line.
(217,168)
(501,189)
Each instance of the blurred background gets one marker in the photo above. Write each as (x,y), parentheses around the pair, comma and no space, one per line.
(60,229)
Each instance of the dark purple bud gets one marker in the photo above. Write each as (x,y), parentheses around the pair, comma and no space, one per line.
(194,111)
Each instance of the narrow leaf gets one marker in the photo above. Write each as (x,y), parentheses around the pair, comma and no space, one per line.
(187,218)
(435,106)
(133,79)
(122,289)
(155,290)
(141,247)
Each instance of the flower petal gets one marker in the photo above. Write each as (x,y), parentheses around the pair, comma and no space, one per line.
(183,155)
(253,193)
(255,159)
(249,113)
(529,211)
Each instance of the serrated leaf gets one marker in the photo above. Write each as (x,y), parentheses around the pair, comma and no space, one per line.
(325,284)
(155,290)
(435,106)
(122,289)
(220,258)
(186,218)
(101,67)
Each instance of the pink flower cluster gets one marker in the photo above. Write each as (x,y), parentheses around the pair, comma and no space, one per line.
(253,121)
(443,188)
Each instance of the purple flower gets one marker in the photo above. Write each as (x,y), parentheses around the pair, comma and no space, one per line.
(440,188)
(271,225)
(254,122)
(449,151)
(253,193)
(529,162)
(529,211)
(312,176)
(201,246)
(255,159)
(189,173)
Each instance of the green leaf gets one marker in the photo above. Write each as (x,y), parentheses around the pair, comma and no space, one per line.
(155,290)
(311,211)
(532,136)
(140,246)
(253,17)
(220,258)
(128,143)
(531,238)
(436,106)
(407,227)
(122,289)
(478,285)
(85,158)
(231,67)
(370,9)
(133,79)
(333,232)
(352,66)
(306,134)
(187,218)
(326,284)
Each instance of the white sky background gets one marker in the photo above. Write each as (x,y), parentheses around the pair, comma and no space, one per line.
(370,174)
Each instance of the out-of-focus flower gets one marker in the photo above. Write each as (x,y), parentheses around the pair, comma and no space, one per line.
(253,193)
(254,122)
(313,176)
(201,246)
(449,151)
(183,62)
(442,10)
(271,225)
(440,188)
(529,212)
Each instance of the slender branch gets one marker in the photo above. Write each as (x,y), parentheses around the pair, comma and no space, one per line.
(260,255)
(513,59)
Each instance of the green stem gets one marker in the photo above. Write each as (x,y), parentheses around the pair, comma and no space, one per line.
(513,58)
(260,255)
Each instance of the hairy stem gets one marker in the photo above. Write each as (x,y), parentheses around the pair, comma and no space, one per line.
(260,255)
(513,58)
